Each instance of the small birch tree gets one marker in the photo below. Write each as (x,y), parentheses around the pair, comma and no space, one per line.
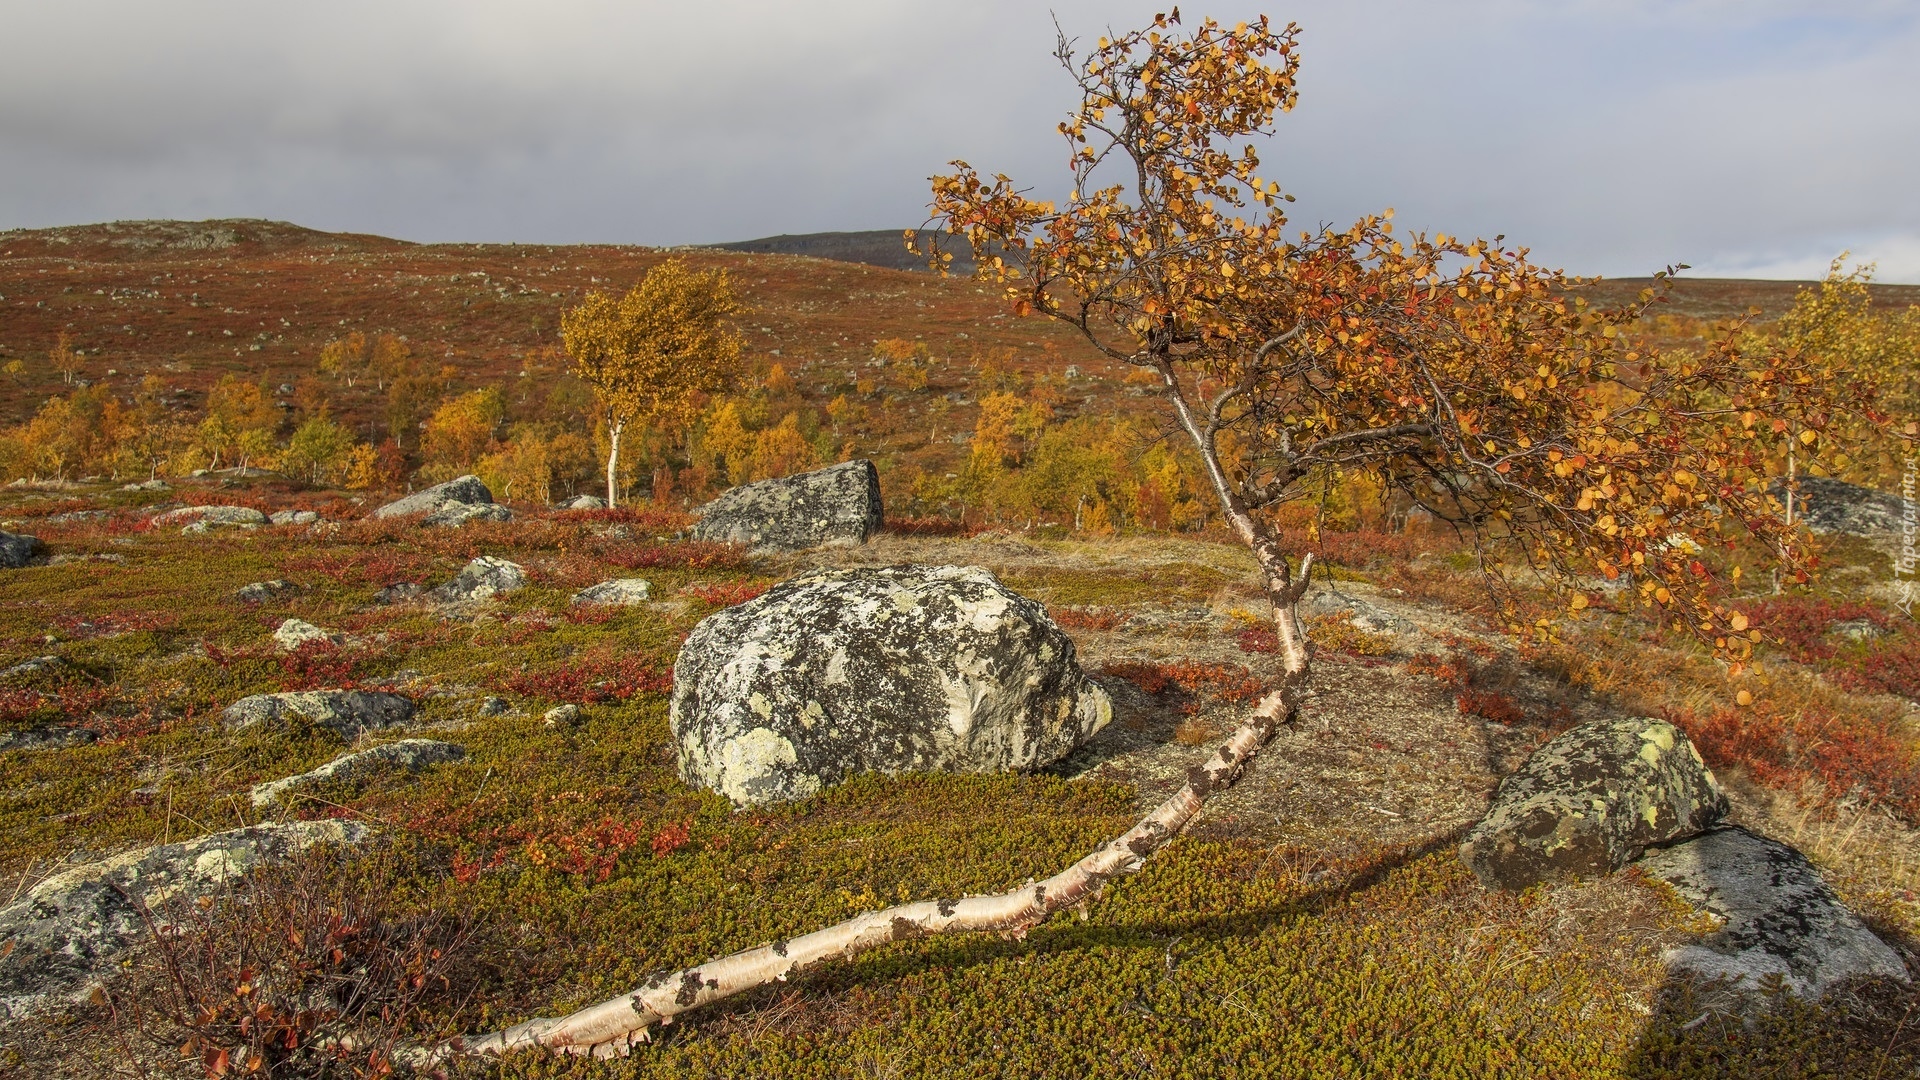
(650,355)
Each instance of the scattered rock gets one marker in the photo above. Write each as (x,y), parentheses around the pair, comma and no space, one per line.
(631,590)
(347,712)
(293,517)
(47,738)
(35,666)
(1778,917)
(155,484)
(408,755)
(454,515)
(1857,630)
(1835,506)
(562,716)
(838,505)
(201,519)
(466,489)
(65,935)
(399,593)
(17,550)
(1590,801)
(494,706)
(294,633)
(484,577)
(260,592)
(886,669)
(585,502)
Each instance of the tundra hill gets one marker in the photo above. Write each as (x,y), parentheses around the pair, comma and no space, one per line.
(192,301)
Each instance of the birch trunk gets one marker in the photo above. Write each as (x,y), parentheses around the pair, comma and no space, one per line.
(613,461)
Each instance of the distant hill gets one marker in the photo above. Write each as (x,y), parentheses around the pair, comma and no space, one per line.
(875,247)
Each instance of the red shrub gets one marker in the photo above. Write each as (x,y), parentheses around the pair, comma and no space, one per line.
(1092,618)
(1229,682)
(1860,756)
(362,566)
(1489,705)
(592,678)
(695,555)
(671,839)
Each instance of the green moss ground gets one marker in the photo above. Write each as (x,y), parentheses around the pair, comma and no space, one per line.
(595,865)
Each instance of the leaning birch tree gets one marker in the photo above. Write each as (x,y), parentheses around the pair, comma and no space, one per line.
(1456,371)
(651,354)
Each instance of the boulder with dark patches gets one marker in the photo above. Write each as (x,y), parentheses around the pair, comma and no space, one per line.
(1590,801)
(259,592)
(1778,918)
(199,519)
(1835,506)
(67,933)
(18,550)
(454,515)
(888,669)
(838,505)
(466,490)
(481,579)
(618,592)
(294,517)
(407,755)
(346,712)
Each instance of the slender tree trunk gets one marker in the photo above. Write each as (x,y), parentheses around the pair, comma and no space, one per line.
(613,461)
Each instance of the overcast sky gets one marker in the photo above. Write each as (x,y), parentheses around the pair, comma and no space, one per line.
(1746,137)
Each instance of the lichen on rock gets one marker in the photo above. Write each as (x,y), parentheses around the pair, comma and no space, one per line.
(836,505)
(889,669)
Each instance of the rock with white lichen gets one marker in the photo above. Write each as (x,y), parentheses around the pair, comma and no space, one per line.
(346,712)
(618,592)
(483,578)
(888,669)
(464,491)
(1590,801)
(67,933)
(407,755)
(838,505)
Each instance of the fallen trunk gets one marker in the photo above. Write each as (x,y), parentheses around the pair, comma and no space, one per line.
(612,1027)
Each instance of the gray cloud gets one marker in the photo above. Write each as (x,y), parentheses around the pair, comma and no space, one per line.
(1614,137)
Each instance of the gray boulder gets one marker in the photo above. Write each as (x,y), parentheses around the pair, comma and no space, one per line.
(1835,506)
(838,505)
(347,712)
(585,502)
(293,517)
(259,592)
(407,755)
(294,633)
(67,933)
(484,577)
(1590,801)
(466,489)
(1777,917)
(199,519)
(454,515)
(17,550)
(623,591)
(884,669)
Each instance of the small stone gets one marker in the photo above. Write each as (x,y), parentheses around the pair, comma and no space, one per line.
(155,484)
(484,577)
(562,716)
(399,593)
(294,633)
(494,706)
(838,505)
(17,550)
(260,592)
(1778,917)
(466,489)
(1857,630)
(407,754)
(618,591)
(35,666)
(201,519)
(346,712)
(293,517)
(585,502)
(1590,801)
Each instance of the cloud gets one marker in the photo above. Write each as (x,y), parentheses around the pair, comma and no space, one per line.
(1613,137)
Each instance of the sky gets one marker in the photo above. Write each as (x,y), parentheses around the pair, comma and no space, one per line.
(1748,138)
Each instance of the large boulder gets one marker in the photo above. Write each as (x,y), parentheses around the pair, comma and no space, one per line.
(346,712)
(67,933)
(468,490)
(454,515)
(1777,917)
(1835,506)
(484,577)
(17,550)
(407,755)
(884,669)
(838,505)
(1590,801)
